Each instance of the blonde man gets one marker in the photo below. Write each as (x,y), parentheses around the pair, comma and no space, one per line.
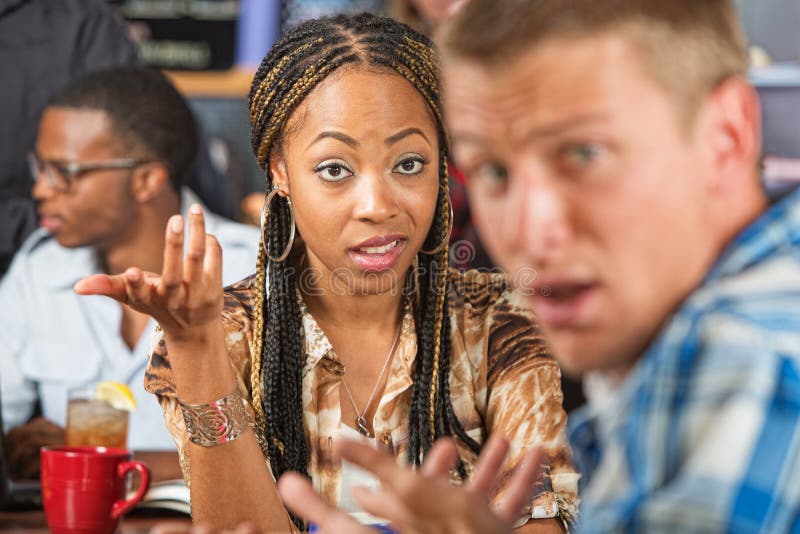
(616,153)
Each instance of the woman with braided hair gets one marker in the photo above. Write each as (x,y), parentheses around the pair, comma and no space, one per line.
(352,325)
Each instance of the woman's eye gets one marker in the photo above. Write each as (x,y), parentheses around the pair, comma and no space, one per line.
(410,166)
(333,171)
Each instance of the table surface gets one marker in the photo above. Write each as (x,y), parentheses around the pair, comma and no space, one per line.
(163,466)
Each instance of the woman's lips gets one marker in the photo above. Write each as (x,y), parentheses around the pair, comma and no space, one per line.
(378,258)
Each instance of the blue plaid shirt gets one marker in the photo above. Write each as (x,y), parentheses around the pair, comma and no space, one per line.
(704,434)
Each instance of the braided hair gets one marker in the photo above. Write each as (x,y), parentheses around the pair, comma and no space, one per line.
(295,65)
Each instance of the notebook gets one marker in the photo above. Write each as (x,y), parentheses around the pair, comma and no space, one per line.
(165,496)
(16,495)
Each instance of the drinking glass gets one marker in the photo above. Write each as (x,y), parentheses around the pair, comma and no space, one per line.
(93,422)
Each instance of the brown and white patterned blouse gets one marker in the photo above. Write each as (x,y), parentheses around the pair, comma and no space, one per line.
(504,381)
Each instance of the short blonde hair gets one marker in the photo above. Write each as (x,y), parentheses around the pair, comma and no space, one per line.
(688,46)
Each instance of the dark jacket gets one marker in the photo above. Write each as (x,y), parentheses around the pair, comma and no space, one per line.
(43,45)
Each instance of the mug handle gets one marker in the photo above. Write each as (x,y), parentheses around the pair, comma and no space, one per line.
(124,506)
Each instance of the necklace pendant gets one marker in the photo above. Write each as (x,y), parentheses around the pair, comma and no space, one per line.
(361,423)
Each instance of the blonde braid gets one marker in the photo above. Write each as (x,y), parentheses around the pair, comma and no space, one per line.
(441,292)
(258,332)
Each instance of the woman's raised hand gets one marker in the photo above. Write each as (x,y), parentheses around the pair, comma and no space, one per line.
(187,296)
(424,501)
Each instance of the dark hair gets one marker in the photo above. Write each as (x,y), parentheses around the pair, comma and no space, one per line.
(146,112)
(293,68)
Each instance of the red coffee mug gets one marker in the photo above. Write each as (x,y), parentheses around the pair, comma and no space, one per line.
(83,488)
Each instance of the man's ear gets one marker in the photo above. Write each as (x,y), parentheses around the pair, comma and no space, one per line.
(734,134)
(278,172)
(149,180)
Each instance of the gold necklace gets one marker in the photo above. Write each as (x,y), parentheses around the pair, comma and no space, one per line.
(361,421)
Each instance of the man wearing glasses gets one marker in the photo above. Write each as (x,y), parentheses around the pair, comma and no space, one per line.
(44,44)
(109,165)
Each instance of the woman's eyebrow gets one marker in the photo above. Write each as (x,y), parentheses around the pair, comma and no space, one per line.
(392,139)
(346,139)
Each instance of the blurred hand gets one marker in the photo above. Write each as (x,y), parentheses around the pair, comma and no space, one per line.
(182,528)
(187,296)
(422,502)
(23,442)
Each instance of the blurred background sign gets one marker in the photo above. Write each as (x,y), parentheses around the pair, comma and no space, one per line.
(184,34)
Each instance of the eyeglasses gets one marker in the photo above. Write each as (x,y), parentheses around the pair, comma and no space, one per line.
(60,174)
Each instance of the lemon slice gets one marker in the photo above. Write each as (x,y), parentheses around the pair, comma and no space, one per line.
(116,394)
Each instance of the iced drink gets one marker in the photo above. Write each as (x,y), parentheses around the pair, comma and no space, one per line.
(95,422)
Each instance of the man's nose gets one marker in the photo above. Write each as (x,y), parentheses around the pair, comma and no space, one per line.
(42,188)
(537,222)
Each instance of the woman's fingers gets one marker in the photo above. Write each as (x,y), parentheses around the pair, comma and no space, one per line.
(522,484)
(213,260)
(246,528)
(137,287)
(171,287)
(379,463)
(196,247)
(103,284)
(388,506)
(188,290)
(440,459)
(415,491)
(171,528)
(299,496)
(488,466)
(182,528)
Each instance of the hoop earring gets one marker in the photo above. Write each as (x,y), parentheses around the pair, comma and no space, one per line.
(446,240)
(265,220)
